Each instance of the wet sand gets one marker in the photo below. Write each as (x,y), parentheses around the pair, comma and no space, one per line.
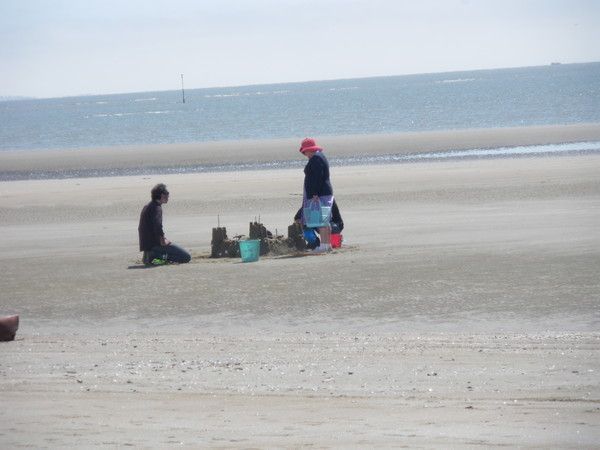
(462,311)
(259,151)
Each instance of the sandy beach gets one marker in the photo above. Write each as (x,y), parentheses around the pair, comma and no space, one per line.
(259,151)
(462,310)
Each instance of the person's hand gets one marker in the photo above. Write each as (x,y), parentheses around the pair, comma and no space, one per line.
(164,241)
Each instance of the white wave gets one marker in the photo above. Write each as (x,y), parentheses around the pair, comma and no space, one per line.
(221,95)
(246,94)
(344,88)
(145,99)
(112,115)
(101,103)
(507,151)
(158,112)
(456,80)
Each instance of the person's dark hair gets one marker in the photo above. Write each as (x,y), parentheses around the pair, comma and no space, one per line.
(158,190)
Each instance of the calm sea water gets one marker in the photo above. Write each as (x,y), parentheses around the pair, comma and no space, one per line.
(558,94)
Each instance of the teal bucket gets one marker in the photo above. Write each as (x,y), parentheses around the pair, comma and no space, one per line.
(249,250)
(317,216)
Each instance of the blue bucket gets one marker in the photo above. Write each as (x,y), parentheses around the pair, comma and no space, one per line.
(316,215)
(310,236)
(250,250)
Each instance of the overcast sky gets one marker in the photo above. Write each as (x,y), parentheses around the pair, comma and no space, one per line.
(51,48)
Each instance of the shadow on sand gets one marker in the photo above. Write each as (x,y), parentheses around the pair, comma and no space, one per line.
(141,266)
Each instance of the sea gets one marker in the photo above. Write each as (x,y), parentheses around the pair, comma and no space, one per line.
(542,95)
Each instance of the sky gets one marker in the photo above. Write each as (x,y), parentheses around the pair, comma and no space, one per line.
(56,48)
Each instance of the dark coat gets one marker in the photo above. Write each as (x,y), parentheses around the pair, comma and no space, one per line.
(150,229)
(316,176)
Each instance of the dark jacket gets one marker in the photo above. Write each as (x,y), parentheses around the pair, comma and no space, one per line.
(316,176)
(150,229)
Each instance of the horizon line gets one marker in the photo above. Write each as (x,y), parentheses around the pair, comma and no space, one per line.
(25,98)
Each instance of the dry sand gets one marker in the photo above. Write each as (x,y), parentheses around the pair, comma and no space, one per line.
(463,311)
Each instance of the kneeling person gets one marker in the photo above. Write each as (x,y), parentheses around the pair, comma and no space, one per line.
(156,247)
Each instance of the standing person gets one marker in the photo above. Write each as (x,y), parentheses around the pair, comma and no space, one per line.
(317,187)
(156,247)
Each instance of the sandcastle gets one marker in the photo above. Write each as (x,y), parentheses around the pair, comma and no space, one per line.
(270,244)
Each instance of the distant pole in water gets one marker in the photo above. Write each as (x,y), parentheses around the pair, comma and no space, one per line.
(182,90)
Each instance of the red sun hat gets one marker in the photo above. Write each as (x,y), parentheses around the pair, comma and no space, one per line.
(309,145)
